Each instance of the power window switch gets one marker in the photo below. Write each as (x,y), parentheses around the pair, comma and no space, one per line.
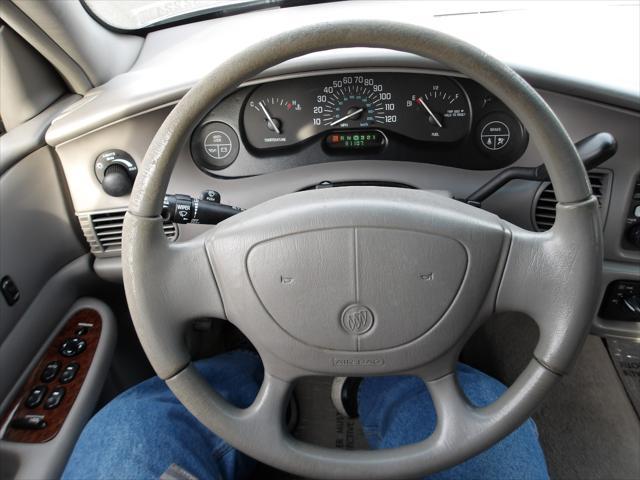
(69,372)
(54,398)
(50,371)
(35,397)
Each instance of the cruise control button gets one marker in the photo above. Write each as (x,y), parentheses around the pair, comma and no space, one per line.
(54,398)
(72,347)
(69,373)
(50,371)
(35,397)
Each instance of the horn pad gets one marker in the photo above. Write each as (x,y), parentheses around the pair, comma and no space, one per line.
(357,288)
(360,278)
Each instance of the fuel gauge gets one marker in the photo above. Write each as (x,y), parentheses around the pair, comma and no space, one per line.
(438,112)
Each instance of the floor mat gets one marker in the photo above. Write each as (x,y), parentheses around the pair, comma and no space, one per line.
(588,428)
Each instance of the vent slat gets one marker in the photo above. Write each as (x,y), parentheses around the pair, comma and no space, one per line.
(106,238)
(115,220)
(552,210)
(103,231)
(111,244)
(545,209)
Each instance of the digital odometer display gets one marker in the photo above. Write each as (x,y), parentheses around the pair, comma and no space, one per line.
(355,140)
(422,107)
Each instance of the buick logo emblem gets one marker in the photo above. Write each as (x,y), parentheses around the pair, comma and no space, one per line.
(357,319)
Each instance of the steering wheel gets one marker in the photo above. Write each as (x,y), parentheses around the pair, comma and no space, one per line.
(363,281)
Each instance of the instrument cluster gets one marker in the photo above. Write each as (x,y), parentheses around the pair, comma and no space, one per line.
(425,108)
(372,115)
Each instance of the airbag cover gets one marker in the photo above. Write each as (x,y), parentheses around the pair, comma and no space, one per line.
(357,288)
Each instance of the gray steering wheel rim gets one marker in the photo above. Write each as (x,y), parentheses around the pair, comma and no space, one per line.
(247,429)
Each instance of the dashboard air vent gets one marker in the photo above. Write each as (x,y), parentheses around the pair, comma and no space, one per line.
(103,231)
(545,206)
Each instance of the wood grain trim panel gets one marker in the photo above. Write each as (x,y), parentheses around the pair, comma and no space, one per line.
(55,417)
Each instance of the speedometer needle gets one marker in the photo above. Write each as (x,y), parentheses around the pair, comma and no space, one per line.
(266,114)
(347,117)
(435,119)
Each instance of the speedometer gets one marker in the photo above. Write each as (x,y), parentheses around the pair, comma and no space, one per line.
(354,101)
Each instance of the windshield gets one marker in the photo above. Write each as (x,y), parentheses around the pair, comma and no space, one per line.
(137,14)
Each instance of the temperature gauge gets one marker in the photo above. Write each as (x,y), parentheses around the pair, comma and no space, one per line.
(271,122)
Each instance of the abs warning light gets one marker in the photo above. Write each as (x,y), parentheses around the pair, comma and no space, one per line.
(355,140)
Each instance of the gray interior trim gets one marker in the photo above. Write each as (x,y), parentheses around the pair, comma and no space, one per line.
(47,460)
(29,83)
(172,60)
(109,269)
(20,141)
(37,237)
(70,71)
(109,106)
(588,428)
(100,53)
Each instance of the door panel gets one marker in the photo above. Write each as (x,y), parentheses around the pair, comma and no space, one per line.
(36,236)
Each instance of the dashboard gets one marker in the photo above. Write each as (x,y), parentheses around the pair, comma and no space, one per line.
(361,116)
(373,115)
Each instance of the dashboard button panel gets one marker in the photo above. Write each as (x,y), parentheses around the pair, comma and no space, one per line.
(499,135)
(215,145)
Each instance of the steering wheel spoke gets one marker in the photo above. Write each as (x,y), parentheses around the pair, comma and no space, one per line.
(177,287)
(540,278)
(272,400)
(468,426)
(452,408)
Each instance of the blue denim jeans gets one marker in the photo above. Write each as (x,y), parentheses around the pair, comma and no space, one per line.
(145,430)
